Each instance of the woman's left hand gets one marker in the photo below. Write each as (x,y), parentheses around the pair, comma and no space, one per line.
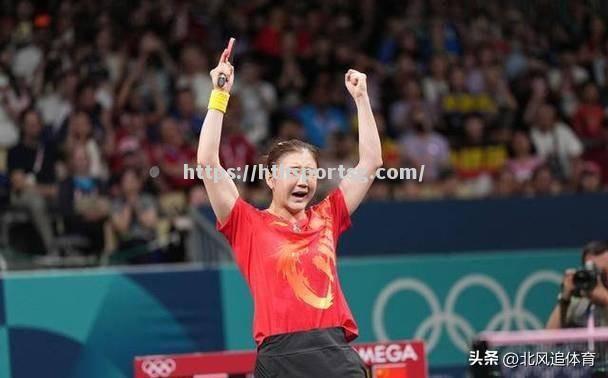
(356,83)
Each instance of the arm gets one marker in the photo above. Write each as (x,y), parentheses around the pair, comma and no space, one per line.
(554,321)
(133,75)
(355,186)
(222,191)
(597,296)
(122,219)
(567,288)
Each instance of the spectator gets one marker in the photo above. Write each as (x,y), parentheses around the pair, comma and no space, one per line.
(543,182)
(425,146)
(259,100)
(435,86)
(459,103)
(11,105)
(268,39)
(523,161)
(31,171)
(501,95)
(83,204)
(132,147)
(539,96)
(195,75)
(400,111)
(320,118)
(186,114)
(588,119)
(134,216)
(477,158)
(565,79)
(80,134)
(590,180)
(172,154)
(555,141)
(444,37)
(87,104)
(56,105)
(108,62)
(589,125)
(291,80)
(506,184)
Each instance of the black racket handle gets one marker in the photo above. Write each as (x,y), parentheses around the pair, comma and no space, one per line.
(221,80)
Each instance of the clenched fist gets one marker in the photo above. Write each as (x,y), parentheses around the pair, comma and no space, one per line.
(356,83)
(223,67)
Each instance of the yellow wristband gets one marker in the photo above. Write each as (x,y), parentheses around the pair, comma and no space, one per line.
(218,100)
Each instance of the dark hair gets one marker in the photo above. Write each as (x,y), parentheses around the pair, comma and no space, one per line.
(83,86)
(594,248)
(287,146)
(511,150)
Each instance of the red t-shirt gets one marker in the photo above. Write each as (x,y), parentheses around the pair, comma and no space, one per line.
(588,121)
(292,273)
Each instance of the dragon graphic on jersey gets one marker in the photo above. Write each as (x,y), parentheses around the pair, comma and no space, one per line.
(290,253)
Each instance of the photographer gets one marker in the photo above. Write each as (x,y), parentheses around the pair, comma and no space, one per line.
(583,288)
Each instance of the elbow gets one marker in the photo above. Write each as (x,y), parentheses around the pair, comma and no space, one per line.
(372,165)
(377,162)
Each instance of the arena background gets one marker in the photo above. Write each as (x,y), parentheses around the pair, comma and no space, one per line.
(106,98)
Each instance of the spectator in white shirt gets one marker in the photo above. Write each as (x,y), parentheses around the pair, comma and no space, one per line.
(259,100)
(555,141)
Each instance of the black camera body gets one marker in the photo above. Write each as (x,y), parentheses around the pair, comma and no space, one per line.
(585,279)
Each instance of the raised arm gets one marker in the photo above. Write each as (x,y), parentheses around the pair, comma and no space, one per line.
(355,185)
(220,188)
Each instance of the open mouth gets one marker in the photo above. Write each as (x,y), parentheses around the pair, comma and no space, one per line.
(300,194)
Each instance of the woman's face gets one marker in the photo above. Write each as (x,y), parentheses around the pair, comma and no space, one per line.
(293,182)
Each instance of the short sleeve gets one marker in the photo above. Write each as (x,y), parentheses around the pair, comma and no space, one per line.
(574,147)
(339,211)
(238,230)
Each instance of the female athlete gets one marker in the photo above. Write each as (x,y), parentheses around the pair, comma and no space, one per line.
(302,323)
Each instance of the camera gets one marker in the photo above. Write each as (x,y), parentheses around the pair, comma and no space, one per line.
(585,279)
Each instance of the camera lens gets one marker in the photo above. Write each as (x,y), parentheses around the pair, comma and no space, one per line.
(584,280)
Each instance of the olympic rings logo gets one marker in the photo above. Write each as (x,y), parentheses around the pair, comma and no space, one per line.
(455,322)
(158,368)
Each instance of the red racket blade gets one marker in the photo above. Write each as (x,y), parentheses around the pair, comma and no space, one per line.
(229,48)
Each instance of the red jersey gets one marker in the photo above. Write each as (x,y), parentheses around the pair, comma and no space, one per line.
(291,271)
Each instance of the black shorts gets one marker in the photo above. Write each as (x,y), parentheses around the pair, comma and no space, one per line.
(316,353)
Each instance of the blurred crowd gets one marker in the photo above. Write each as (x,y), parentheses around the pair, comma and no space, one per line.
(101,102)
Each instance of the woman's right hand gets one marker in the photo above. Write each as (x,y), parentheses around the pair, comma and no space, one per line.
(223,67)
